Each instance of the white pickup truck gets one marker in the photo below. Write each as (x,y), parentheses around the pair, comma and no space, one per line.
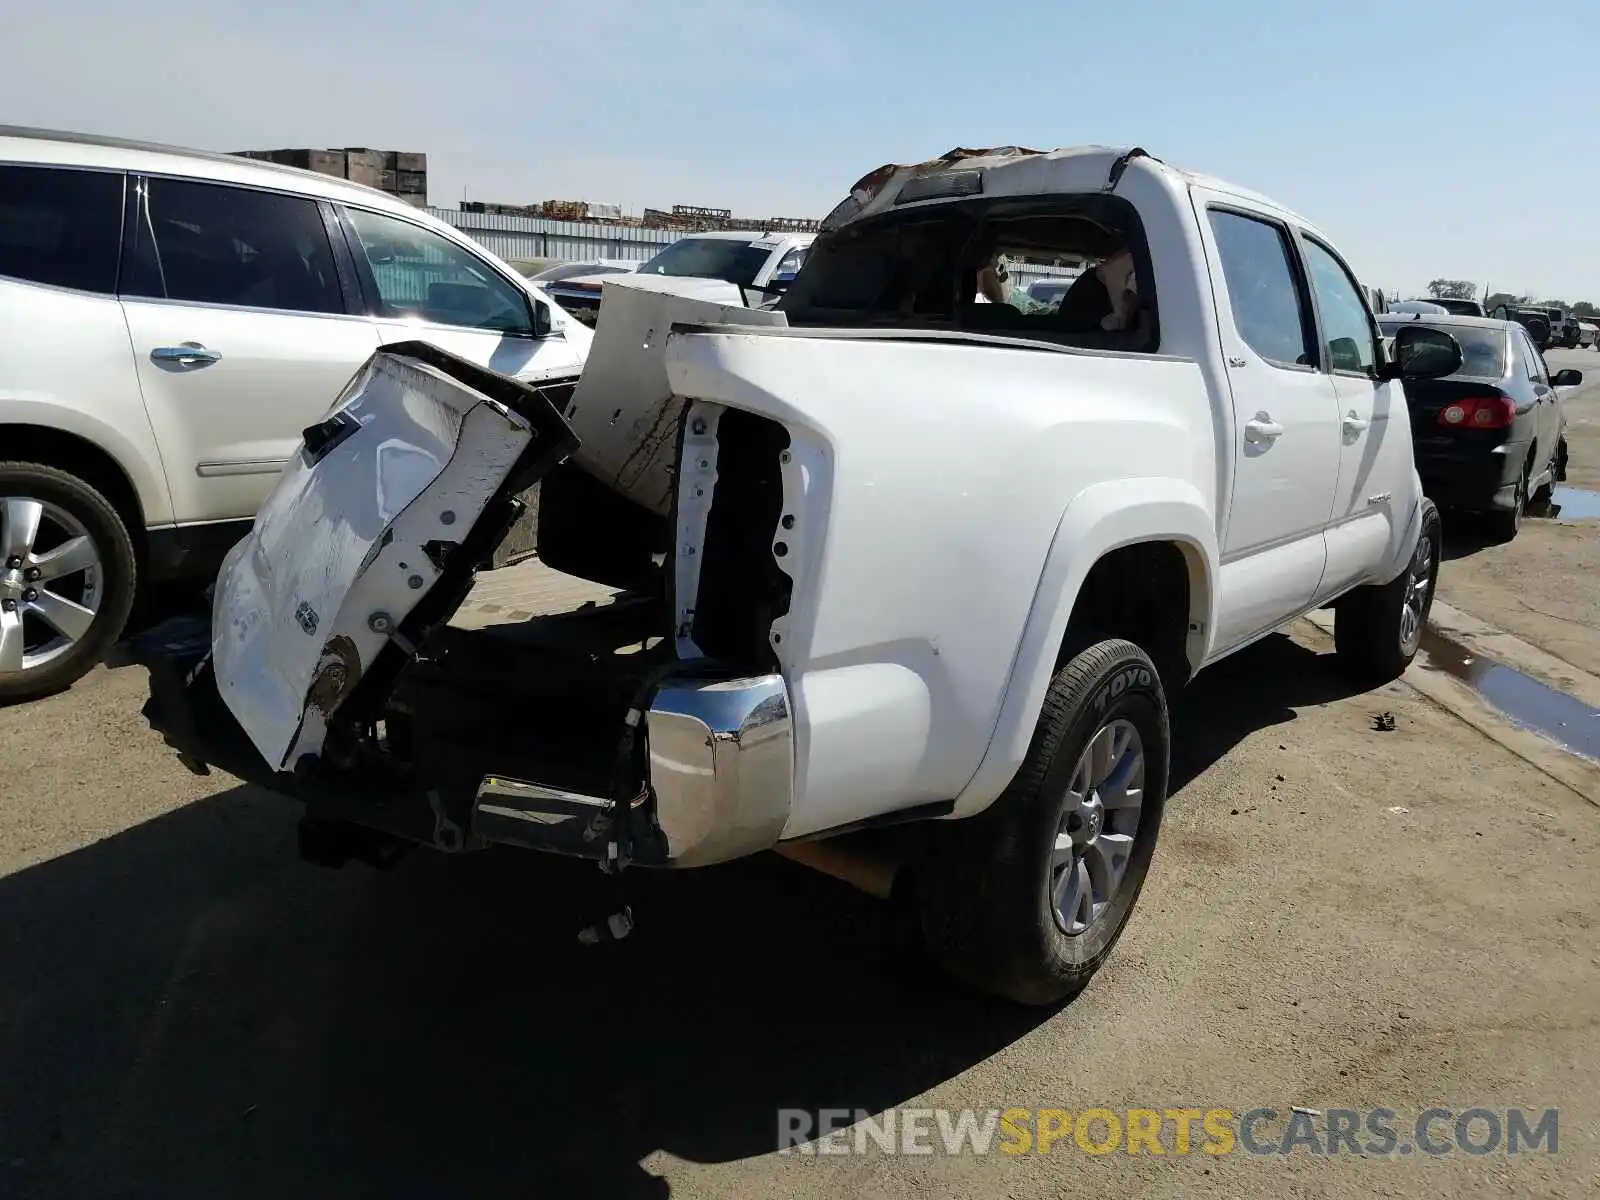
(884,557)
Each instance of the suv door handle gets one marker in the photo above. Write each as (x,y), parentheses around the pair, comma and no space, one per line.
(1354,423)
(190,354)
(1262,429)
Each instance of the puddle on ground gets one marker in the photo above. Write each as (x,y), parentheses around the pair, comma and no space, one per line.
(1575,504)
(1528,703)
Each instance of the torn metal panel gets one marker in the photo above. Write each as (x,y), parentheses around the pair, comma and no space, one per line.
(877,183)
(623,410)
(361,529)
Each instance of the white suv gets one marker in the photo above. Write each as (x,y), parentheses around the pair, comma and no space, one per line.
(172,320)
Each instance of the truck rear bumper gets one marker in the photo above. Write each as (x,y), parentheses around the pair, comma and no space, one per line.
(716,782)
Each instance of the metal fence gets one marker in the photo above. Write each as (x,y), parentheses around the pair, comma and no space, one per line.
(564,241)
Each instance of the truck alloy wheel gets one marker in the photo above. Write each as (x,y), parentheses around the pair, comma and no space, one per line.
(1099,821)
(1027,899)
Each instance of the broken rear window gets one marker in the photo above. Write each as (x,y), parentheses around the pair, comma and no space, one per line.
(946,267)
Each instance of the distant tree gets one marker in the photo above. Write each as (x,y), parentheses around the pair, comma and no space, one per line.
(1584,309)
(1453,289)
(1499,298)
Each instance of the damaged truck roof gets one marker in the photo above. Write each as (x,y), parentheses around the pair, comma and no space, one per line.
(1006,171)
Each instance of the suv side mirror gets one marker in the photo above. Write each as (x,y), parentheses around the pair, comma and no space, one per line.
(1421,352)
(1567,378)
(541,319)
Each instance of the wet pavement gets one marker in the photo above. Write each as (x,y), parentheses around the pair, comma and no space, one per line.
(1525,701)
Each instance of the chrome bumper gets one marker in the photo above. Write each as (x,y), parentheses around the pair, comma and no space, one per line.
(721,764)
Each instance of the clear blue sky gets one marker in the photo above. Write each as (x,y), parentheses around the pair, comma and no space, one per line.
(1428,139)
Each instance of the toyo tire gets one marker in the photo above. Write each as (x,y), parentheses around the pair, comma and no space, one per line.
(1378,629)
(1027,899)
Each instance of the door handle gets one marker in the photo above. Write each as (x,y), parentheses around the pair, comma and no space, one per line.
(190,354)
(1262,429)
(1354,423)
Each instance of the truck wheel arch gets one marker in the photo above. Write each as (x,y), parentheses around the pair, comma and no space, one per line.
(1152,518)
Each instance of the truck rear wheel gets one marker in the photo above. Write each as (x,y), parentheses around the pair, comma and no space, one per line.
(1378,629)
(1028,898)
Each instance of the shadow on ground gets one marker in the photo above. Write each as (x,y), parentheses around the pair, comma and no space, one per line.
(1252,690)
(1466,534)
(187,1010)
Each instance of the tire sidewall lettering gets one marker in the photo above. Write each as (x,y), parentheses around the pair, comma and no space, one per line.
(1122,681)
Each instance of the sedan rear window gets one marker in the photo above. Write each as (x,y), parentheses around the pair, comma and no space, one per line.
(1483,349)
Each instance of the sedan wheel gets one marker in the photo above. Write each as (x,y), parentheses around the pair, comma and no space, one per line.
(1505,524)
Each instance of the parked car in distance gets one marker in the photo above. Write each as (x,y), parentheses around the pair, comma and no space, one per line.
(1049,290)
(1535,320)
(173,321)
(1461,308)
(1588,335)
(1431,307)
(1490,438)
(749,269)
(572,285)
(809,508)
(1564,331)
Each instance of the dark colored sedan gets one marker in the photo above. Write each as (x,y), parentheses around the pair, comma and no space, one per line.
(1461,308)
(1492,437)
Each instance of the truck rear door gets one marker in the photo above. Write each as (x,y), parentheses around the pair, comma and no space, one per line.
(1286,420)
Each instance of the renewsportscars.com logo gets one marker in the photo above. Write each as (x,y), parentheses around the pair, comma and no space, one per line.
(1178,1132)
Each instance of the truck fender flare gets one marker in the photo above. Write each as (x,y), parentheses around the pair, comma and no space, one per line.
(1098,520)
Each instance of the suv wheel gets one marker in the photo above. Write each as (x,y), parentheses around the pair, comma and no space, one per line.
(1378,629)
(67,576)
(1028,898)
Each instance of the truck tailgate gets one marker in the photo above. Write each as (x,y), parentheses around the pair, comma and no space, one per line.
(371,538)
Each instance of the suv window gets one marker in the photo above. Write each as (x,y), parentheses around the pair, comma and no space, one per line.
(1268,308)
(61,227)
(1535,360)
(419,275)
(1351,344)
(208,243)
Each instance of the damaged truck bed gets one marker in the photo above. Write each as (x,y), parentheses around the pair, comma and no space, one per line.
(358,661)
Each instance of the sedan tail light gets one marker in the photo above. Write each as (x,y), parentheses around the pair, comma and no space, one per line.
(1479,412)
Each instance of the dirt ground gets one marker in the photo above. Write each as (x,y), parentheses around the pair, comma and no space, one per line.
(1338,917)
